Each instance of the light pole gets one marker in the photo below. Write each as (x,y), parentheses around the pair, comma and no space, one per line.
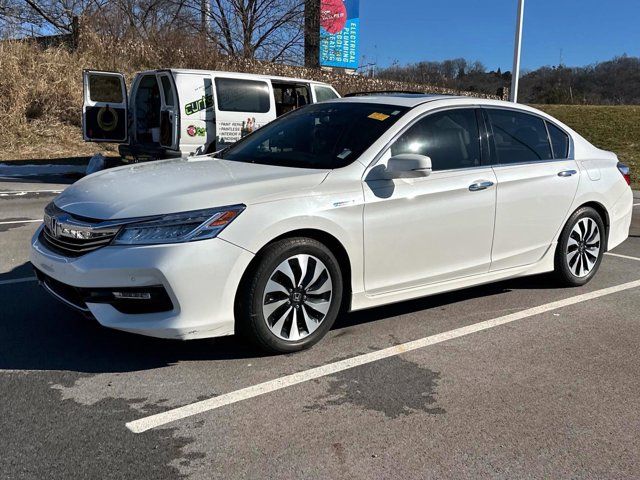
(515,72)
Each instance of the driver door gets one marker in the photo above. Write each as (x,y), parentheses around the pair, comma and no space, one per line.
(421,231)
(105,114)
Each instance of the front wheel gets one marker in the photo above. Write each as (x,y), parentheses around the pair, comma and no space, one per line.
(580,248)
(291,297)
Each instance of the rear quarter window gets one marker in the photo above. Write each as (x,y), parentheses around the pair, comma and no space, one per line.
(239,95)
(559,141)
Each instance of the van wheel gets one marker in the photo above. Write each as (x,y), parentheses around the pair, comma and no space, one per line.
(580,248)
(292,296)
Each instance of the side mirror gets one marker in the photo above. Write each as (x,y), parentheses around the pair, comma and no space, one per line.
(408,165)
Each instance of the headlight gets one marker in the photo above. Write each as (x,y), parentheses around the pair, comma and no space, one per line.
(178,227)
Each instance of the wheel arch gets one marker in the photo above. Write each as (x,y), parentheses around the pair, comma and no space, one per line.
(331,242)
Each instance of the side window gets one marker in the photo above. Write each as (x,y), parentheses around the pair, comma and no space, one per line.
(451,139)
(237,95)
(167,90)
(324,93)
(559,141)
(519,137)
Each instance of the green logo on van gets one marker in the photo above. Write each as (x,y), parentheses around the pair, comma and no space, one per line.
(203,103)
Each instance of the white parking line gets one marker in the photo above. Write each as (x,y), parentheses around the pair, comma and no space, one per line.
(20,221)
(160,419)
(21,193)
(623,256)
(18,280)
(636,204)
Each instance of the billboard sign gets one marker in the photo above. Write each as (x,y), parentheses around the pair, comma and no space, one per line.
(339,33)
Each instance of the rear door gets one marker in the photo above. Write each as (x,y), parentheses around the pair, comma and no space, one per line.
(242,105)
(105,115)
(537,182)
(169,118)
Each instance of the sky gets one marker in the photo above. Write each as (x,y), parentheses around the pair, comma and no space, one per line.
(574,32)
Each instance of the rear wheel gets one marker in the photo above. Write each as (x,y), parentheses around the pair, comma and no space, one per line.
(290,299)
(580,248)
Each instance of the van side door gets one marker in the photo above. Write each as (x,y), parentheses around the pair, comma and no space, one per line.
(105,114)
(242,105)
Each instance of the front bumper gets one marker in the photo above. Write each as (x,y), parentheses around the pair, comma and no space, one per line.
(200,278)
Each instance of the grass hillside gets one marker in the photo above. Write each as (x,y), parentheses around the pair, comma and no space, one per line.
(615,128)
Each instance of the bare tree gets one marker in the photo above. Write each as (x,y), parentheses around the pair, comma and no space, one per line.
(265,29)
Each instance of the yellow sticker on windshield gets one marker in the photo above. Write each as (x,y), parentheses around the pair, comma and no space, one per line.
(378,116)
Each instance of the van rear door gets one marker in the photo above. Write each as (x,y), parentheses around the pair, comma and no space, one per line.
(169,118)
(105,114)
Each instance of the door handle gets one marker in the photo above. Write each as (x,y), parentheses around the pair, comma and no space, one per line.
(567,173)
(474,187)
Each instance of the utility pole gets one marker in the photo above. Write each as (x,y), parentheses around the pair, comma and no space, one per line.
(312,33)
(515,72)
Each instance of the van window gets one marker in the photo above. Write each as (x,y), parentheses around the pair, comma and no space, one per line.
(167,90)
(519,137)
(290,96)
(105,88)
(238,95)
(559,141)
(324,93)
(450,138)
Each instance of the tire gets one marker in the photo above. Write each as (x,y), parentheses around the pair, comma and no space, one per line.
(580,248)
(294,278)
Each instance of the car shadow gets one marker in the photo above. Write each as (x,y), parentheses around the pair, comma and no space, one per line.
(39,333)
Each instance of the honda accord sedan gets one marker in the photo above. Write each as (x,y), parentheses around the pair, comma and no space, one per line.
(342,205)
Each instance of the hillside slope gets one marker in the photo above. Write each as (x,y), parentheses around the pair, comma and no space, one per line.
(615,128)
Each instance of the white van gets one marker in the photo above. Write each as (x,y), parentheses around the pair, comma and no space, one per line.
(177,112)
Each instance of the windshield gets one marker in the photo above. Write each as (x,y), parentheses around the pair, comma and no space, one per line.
(323,136)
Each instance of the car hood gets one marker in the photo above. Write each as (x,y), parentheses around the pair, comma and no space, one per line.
(171,186)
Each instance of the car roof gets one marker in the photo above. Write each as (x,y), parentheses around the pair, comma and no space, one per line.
(412,100)
(400,99)
(236,75)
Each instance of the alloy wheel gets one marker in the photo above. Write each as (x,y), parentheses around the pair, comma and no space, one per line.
(583,247)
(297,297)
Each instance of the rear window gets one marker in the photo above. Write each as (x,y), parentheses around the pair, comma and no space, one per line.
(105,88)
(519,137)
(238,95)
(324,93)
(559,141)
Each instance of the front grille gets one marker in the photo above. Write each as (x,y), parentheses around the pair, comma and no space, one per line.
(73,236)
(70,246)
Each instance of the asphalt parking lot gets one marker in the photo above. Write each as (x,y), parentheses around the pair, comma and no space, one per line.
(512,380)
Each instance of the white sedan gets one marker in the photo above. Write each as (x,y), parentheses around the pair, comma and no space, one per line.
(342,205)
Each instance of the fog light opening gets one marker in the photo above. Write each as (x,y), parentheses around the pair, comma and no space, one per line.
(131,295)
